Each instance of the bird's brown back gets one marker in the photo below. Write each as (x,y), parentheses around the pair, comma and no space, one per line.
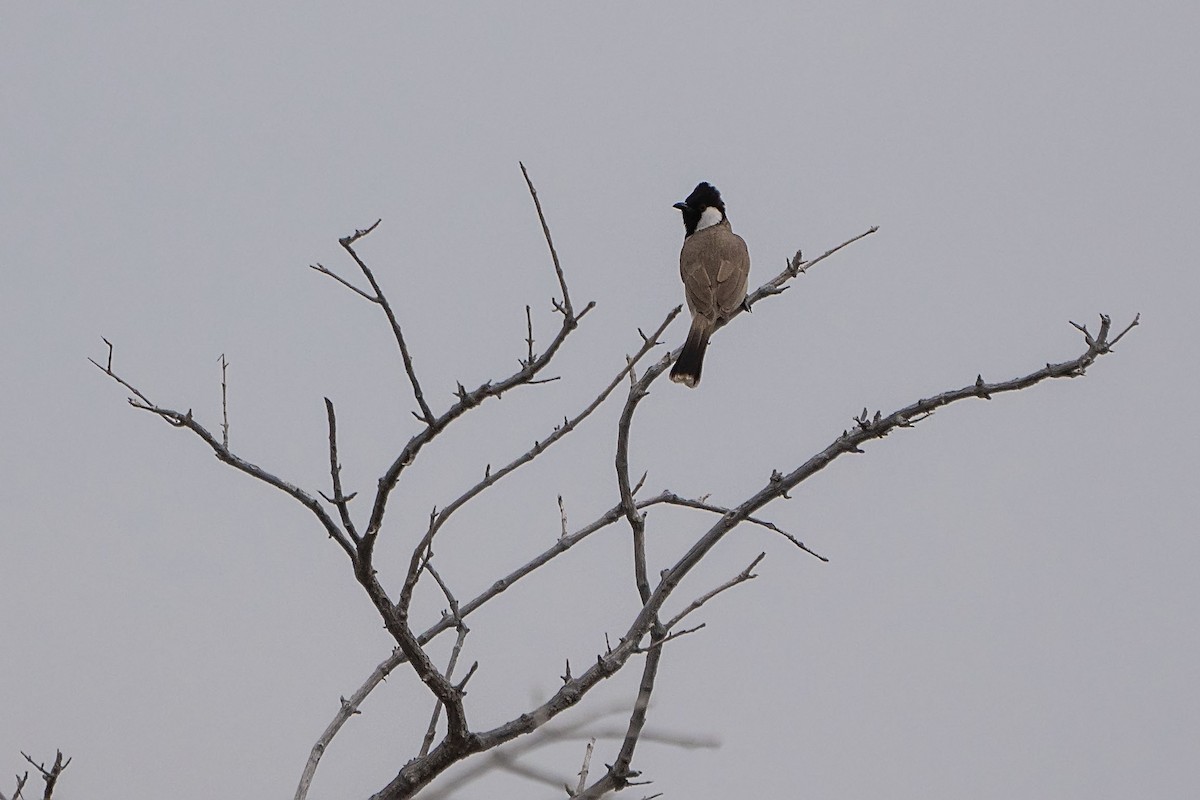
(715,265)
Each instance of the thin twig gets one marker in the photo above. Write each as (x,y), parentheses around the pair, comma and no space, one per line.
(743,576)
(22,779)
(347,243)
(657,643)
(431,731)
(529,337)
(346,709)
(340,500)
(108,370)
(567,312)
(224,403)
(794,267)
(451,600)
(675,500)
(326,271)
(587,762)
(180,419)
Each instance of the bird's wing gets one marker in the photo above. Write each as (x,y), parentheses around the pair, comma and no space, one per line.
(714,264)
(732,273)
(698,284)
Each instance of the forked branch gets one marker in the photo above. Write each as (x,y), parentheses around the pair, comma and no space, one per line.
(415,775)
(656,588)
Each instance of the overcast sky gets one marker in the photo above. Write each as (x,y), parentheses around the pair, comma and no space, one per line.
(1010,606)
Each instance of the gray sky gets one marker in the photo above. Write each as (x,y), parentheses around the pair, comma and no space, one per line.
(1011,602)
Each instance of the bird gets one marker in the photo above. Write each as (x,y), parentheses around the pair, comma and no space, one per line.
(715,265)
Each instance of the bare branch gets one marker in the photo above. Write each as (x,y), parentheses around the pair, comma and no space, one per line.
(636,520)
(461,685)
(450,598)
(447,622)
(587,761)
(561,545)
(470,399)
(799,267)
(420,557)
(346,709)
(494,476)
(657,643)
(394,618)
(675,500)
(326,271)
(340,500)
(224,402)
(743,576)
(49,776)
(431,732)
(347,243)
(459,741)
(186,420)
(1136,319)
(611,662)
(793,268)
(565,308)
(619,774)
(581,727)
(529,337)
(22,779)
(108,370)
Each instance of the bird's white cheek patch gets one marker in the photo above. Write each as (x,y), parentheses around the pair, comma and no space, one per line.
(711,216)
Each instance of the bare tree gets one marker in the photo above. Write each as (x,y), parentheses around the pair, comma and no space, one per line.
(651,628)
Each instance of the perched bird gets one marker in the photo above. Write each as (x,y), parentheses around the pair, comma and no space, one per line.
(714,264)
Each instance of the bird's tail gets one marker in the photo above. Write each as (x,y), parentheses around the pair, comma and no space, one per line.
(691,357)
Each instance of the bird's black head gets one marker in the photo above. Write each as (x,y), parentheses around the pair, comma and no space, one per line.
(703,197)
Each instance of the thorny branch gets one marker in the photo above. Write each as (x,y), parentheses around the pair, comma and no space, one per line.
(565,307)
(494,476)
(49,775)
(22,779)
(431,731)
(224,402)
(447,622)
(184,419)
(620,772)
(777,485)
(347,243)
(743,576)
(339,500)
(459,740)
(674,500)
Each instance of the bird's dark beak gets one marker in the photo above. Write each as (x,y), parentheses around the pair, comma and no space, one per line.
(682,206)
